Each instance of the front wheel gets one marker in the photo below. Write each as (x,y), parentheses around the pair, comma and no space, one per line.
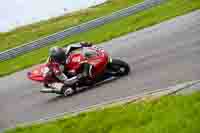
(67,91)
(118,68)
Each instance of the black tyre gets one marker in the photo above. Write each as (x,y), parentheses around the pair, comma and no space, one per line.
(67,91)
(118,68)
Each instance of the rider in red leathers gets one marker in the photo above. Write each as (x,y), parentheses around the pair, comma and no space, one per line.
(56,64)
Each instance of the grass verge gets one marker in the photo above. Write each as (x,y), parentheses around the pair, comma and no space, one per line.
(167,10)
(31,32)
(180,114)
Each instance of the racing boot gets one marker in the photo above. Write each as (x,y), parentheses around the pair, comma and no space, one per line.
(86,76)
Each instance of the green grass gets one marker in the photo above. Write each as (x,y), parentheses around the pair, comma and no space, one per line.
(31,32)
(169,114)
(167,10)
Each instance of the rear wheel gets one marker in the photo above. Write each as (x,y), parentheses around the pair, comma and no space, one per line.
(118,68)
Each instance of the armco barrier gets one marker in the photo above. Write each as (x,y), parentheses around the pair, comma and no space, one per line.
(11,53)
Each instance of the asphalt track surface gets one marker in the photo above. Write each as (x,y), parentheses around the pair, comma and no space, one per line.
(160,56)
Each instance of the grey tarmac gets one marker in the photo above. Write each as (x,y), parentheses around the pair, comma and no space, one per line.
(160,56)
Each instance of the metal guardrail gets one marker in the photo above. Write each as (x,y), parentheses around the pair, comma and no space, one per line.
(11,53)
